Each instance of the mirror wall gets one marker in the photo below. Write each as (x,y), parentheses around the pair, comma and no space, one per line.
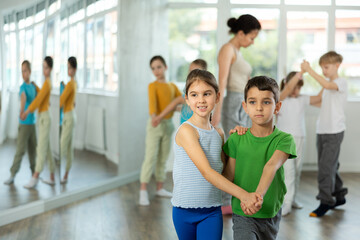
(60,135)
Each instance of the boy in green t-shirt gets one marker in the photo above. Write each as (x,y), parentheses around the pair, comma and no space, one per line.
(256,159)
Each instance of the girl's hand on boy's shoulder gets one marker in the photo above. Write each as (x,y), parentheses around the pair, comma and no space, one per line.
(239,129)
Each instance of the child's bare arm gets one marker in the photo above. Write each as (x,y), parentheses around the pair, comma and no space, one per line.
(289,87)
(229,170)
(169,108)
(22,102)
(323,82)
(316,100)
(187,138)
(270,168)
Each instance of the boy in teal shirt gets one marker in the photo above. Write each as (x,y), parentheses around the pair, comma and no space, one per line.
(256,159)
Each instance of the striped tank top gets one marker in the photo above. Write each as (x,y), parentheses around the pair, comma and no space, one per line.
(191,189)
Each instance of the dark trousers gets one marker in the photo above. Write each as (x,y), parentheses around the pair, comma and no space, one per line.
(329,181)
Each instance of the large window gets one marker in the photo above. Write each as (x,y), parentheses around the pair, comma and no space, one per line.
(306,39)
(292,30)
(192,35)
(347,43)
(263,55)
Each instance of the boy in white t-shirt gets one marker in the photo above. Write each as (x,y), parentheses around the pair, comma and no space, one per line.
(330,132)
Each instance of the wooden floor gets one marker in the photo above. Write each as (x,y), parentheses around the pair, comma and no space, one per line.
(88,168)
(116,215)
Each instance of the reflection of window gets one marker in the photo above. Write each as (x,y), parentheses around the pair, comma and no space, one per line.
(191,38)
(262,56)
(306,39)
(36,72)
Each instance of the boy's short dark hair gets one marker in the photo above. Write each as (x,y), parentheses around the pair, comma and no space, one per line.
(200,62)
(263,83)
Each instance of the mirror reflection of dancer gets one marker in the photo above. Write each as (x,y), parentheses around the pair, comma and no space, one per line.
(67,102)
(158,139)
(26,138)
(234,73)
(43,149)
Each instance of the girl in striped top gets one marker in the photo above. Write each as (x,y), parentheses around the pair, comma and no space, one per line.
(198,166)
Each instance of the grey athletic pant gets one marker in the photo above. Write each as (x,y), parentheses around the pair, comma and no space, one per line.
(329,181)
(249,228)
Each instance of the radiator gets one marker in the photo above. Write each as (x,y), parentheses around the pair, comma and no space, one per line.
(95,139)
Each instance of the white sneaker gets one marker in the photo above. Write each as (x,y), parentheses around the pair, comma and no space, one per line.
(286,209)
(64,181)
(50,182)
(163,193)
(144,198)
(297,205)
(32,183)
(9,181)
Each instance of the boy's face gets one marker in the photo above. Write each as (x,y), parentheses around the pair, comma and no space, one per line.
(330,69)
(201,98)
(261,106)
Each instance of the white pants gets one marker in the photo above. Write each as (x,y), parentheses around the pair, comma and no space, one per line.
(292,169)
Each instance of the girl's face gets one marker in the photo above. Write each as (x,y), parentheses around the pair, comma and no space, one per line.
(158,69)
(296,92)
(201,98)
(247,39)
(46,70)
(25,72)
(71,70)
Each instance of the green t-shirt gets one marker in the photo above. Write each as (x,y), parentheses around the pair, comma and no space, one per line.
(251,154)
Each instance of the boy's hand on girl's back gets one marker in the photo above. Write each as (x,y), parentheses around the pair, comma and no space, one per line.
(251,203)
(239,129)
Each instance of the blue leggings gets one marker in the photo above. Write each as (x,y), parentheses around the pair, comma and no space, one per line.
(198,223)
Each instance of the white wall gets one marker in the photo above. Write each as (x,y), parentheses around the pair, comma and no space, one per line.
(110,104)
(349,157)
(142,26)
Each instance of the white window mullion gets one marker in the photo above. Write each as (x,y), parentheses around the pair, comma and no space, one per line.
(282,44)
(331,27)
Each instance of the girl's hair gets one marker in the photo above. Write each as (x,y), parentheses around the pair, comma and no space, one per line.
(201,75)
(72,61)
(200,62)
(27,63)
(49,61)
(158,57)
(288,78)
(245,23)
